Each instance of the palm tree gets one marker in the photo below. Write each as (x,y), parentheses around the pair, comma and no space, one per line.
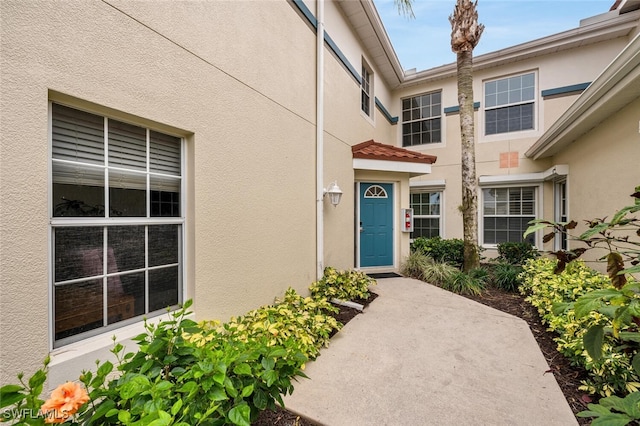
(465,35)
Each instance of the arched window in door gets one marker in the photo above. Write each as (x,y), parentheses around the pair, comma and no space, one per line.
(375,191)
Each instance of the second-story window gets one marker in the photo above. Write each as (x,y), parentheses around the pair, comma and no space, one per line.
(509,104)
(365,101)
(421,119)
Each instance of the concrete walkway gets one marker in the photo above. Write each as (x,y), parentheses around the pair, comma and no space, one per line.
(419,355)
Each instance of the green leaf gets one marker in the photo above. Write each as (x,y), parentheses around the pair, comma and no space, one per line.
(217,393)
(124,416)
(592,301)
(176,407)
(270,376)
(38,379)
(260,399)
(611,419)
(9,398)
(635,363)
(630,336)
(188,387)
(559,308)
(278,352)
(593,341)
(240,415)
(268,363)
(622,213)
(633,270)
(242,370)
(155,346)
(164,385)
(105,368)
(595,230)
(247,390)
(536,225)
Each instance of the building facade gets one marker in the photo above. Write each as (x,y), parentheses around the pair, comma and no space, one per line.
(157,152)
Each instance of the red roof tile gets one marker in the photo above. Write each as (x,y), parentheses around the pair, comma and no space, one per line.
(373,150)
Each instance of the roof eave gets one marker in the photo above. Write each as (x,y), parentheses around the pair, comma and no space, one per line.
(600,30)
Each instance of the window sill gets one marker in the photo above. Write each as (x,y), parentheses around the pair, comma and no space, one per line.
(101,342)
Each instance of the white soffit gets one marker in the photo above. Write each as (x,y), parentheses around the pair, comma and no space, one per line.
(524,178)
(414,169)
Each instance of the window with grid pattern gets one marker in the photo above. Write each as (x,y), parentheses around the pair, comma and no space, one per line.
(116,222)
(509,104)
(365,89)
(426,214)
(421,119)
(506,214)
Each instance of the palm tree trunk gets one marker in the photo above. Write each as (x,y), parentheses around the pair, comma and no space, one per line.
(469,182)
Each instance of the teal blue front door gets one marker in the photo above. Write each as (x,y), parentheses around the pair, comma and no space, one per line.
(376,224)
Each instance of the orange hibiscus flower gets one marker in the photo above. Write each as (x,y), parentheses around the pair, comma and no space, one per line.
(65,401)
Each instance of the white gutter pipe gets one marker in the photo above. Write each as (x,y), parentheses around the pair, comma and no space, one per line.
(320,140)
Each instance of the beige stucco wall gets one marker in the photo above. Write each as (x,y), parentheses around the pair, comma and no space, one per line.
(245,104)
(579,65)
(603,170)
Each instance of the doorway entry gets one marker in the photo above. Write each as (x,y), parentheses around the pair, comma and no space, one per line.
(376,224)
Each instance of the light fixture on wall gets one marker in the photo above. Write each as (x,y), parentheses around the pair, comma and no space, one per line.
(335,193)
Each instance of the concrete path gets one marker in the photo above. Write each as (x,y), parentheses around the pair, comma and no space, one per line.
(419,355)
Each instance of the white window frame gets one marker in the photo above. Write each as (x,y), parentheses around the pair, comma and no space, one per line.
(484,137)
(537,209)
(560,201)
(440,216)
(106,221)
(411,120)
(366,89)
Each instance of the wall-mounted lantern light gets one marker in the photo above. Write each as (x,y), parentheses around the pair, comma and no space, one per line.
(334,192)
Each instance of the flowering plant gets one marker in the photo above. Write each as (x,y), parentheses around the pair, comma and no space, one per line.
(66,401)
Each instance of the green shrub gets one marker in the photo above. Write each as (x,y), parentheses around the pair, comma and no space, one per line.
(303,320)
(517,253)
(554,296)
(480,273)
(506,276)
(415,264)
(462,283)
(441,250)
(438,273)
(186,373)
(343,285)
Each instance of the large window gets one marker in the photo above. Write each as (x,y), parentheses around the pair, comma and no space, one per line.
(421,119)
(506,214)
(117,222)
(509,104)
(426,214)
(365,89)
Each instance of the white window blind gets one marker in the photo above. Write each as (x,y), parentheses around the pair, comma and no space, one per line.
(77,135)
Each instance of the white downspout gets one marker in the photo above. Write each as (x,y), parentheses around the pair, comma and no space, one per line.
(320,140)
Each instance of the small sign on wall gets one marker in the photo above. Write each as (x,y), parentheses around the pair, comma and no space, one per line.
(407,220)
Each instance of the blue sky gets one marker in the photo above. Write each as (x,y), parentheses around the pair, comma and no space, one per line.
(424,42)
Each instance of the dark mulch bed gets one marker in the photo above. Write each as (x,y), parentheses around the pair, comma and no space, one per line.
(567,376)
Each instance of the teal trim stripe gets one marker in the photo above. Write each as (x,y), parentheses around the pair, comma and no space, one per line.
(306,12)
(392,120)
(454,109)
(566,89)
(333,46)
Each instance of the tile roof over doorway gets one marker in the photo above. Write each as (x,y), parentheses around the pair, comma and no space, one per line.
(372,150)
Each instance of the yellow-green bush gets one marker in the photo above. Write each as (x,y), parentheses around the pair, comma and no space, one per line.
(343,285)
(553,295)
(298,323)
